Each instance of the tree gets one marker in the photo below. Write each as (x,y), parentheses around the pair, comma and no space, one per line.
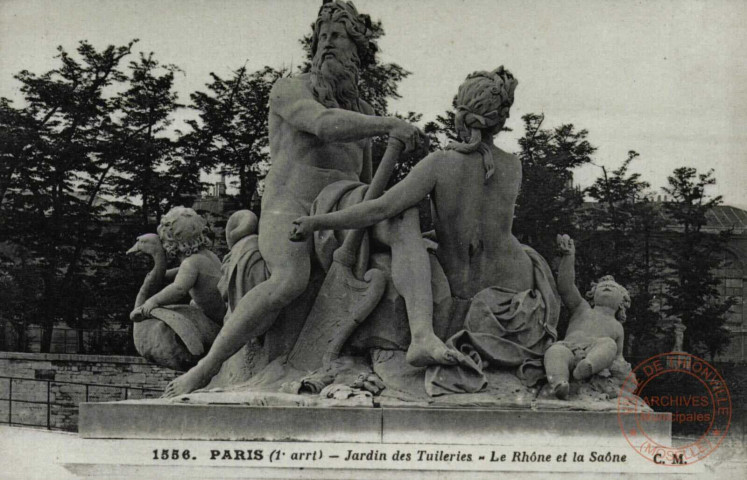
(445,126)
(19,138)
(231,133)
(617,237)
(60,167)
(143,147)
(692,291)
(20,288)
(547,202)
(611,228)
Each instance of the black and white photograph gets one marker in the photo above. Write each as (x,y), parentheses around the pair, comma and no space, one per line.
(368,239)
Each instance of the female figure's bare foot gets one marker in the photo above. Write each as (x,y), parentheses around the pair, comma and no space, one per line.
(583,370)
(197,377)
(430,350)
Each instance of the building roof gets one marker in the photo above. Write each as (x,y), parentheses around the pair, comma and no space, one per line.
(719,218)
(725,216)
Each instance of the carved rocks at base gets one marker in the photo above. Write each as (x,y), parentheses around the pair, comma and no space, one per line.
(601,389)
(279,384)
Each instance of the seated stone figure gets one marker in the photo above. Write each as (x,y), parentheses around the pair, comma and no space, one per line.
(177,335)
(595,334)
(319,133)
(241,228)
(503,292)
(182,233)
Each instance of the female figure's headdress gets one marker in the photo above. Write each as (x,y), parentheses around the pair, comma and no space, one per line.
(483,103)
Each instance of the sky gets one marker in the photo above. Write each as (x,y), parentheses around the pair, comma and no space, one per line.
(667,79)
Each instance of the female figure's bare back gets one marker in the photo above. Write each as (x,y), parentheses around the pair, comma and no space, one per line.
(473,187)
(473,221)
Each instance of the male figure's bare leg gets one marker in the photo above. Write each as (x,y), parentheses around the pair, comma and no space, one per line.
(411,275)
(601,356)
(558,359)
(289,264)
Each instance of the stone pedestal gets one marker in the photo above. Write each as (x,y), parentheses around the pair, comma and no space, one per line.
(148,439)
(156,419)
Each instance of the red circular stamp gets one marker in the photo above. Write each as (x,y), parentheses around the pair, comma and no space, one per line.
(694,398)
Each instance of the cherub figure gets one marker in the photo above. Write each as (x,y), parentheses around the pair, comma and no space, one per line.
(182,233)
(594,339)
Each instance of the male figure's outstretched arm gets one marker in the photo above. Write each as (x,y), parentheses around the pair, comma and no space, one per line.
(291,100)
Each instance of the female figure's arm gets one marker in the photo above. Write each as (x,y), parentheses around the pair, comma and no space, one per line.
(412,189)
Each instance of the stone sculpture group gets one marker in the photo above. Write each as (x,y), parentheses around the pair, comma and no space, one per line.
(334,290)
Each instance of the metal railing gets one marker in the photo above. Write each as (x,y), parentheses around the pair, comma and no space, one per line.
(125,389)
(77,340)
(72,340)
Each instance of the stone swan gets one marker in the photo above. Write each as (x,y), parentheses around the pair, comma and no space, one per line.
(154,339)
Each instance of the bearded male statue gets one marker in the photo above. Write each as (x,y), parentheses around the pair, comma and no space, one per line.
(319,131)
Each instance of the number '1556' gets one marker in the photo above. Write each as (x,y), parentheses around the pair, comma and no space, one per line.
(174,454)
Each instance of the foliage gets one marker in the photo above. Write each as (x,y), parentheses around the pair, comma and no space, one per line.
(446,127)
(145,153)
(547,201)
(20,289)
(616,236)
(231,134)
(694,255)
(63,152)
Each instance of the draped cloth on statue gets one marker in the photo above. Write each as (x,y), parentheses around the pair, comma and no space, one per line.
(502,329)
(243,269)
(335,196)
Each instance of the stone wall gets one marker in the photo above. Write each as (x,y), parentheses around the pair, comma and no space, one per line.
(107,377)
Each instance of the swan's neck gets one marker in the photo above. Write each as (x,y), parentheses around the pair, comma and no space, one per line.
(154,280)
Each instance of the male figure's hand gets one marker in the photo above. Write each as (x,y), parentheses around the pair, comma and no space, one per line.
(566,245)
(409,134)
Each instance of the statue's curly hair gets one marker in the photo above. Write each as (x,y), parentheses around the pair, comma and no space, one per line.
(183,232)
(620,314)
(483,103)
(358,27)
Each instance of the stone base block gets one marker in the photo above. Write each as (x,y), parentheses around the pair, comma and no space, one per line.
(388,425)
(153,420)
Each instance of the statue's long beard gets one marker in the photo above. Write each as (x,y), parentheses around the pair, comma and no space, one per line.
(334,82)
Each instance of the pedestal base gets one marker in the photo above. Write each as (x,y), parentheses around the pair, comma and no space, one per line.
(156,419)
(157,437)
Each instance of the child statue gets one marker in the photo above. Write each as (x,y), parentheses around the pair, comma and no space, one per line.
(594,340)
(176,336)
(182,233)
